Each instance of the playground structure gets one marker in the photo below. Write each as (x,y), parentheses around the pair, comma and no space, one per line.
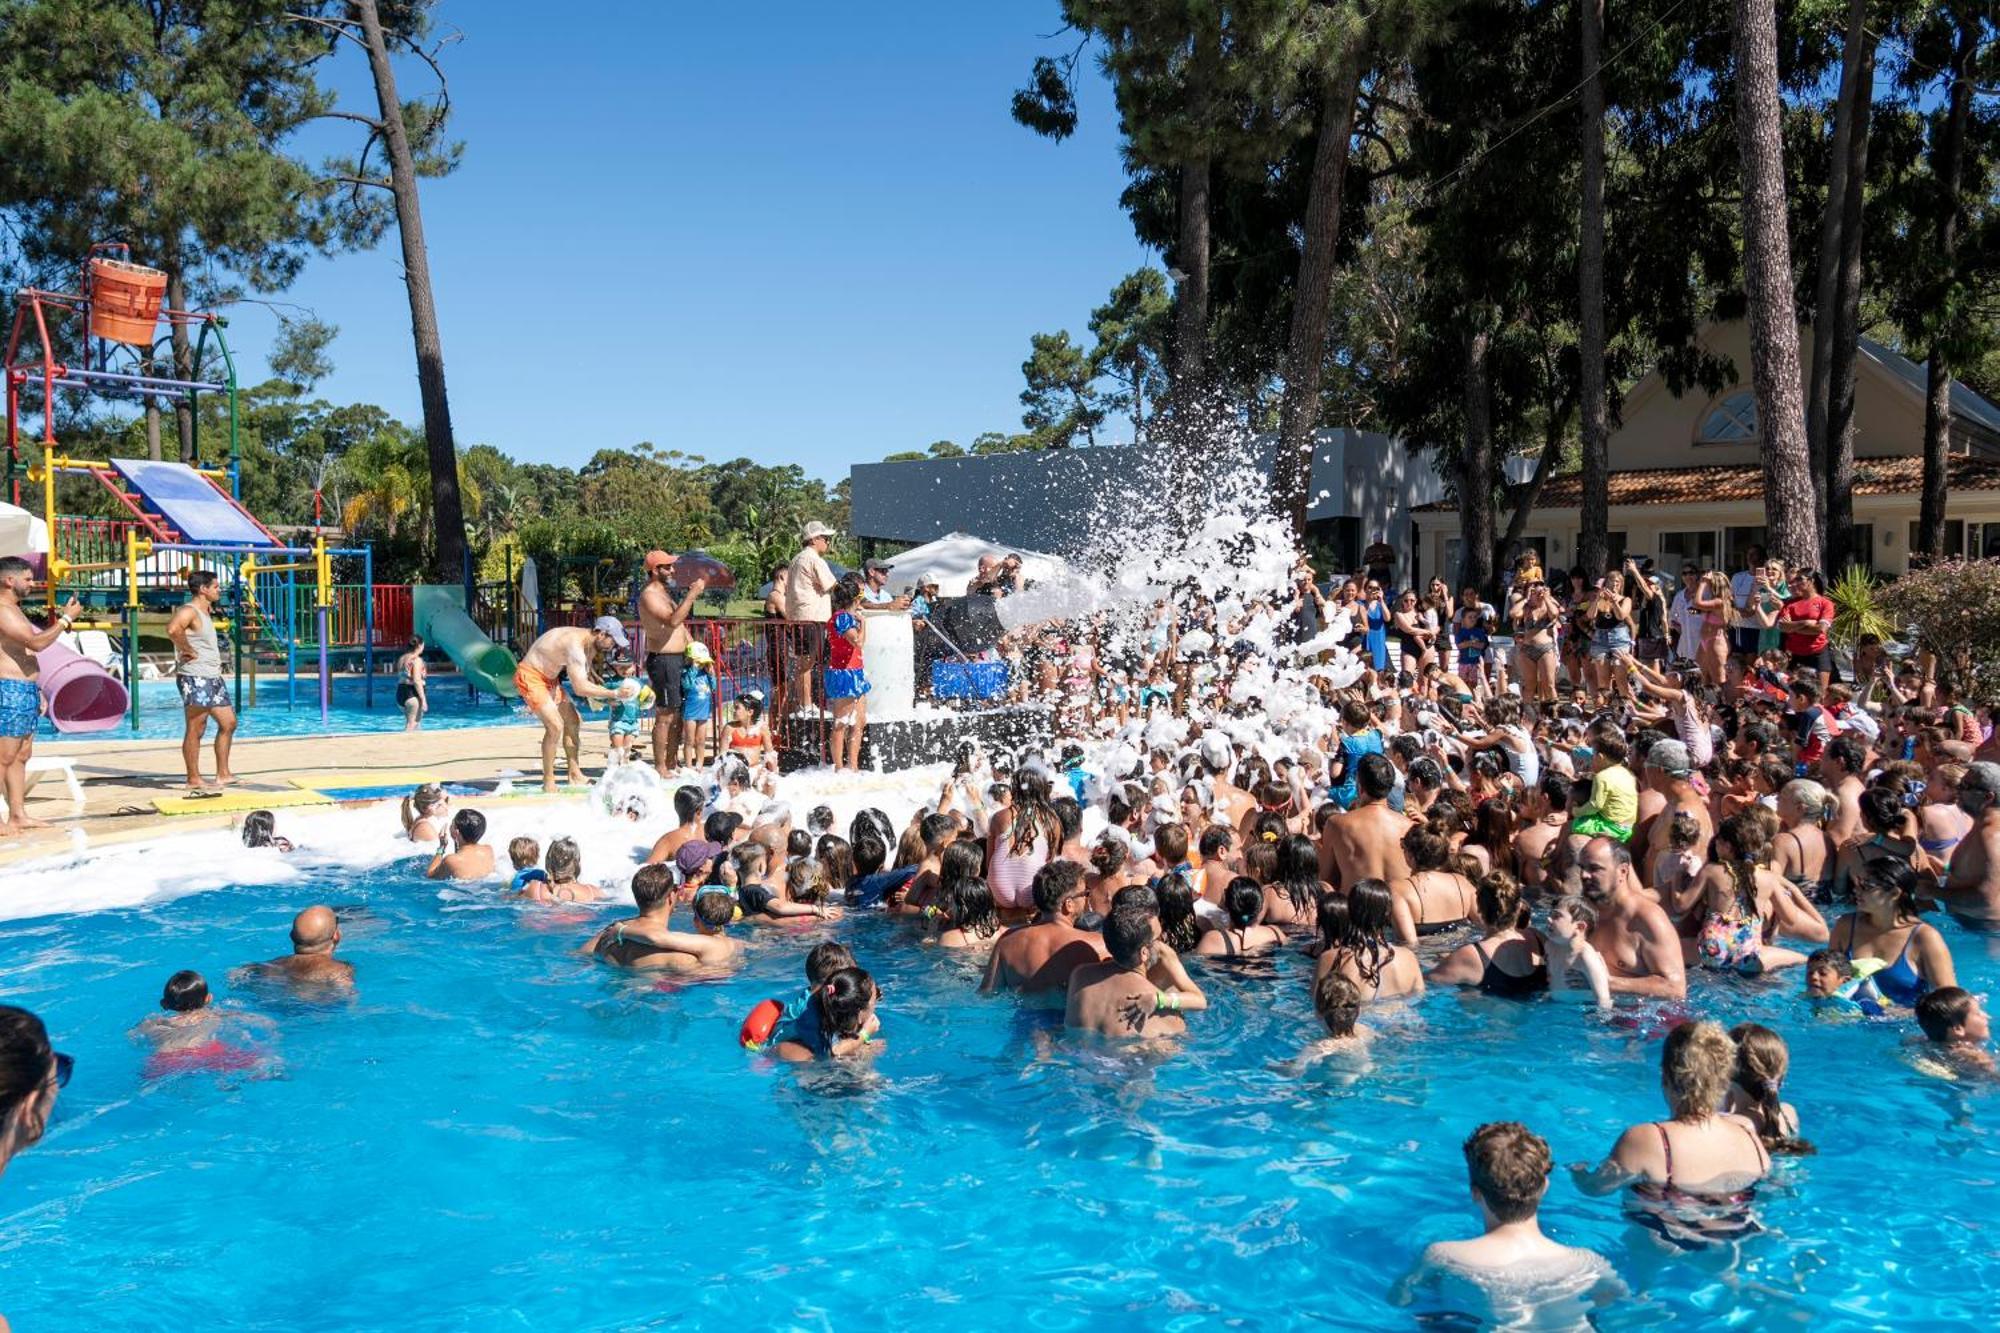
(284,604)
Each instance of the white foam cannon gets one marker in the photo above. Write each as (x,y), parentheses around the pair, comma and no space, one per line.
(888,655)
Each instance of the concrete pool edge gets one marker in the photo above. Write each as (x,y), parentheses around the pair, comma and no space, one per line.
(121,778)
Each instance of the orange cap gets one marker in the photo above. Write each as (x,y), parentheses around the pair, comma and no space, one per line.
(654,559)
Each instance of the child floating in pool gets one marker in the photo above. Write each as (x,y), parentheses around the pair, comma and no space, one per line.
(526,854)
(1835,985)
(697,704)
(260,830)
(1514,1274)
(1958,1032)
(772,1016)
(188,1036)
(837,1022)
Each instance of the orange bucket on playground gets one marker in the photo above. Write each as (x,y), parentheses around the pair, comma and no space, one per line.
(125,301)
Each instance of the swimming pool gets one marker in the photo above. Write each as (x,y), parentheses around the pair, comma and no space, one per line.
(500,1133)
(451,707)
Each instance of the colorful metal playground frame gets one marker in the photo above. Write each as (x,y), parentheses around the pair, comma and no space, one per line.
(271,610)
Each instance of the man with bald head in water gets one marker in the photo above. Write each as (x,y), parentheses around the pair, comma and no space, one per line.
(315,935)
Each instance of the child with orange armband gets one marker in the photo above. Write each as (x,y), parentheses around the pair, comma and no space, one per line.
(825,959)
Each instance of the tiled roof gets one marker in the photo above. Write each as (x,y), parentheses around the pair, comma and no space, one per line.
(1719,485)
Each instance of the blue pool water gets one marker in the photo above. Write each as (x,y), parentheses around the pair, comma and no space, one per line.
(499,1133)
(451,707)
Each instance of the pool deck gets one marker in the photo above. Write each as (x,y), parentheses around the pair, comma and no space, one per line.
(122,779)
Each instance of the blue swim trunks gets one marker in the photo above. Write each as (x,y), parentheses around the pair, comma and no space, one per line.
(20,708)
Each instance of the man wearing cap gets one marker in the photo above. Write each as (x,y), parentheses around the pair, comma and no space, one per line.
(875,594)
(663,630)
(808,602)
(1669,770)
(566,650)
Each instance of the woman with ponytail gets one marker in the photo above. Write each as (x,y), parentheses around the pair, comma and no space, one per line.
(425,812)
(1509,959)
(1756,1089)
(1737,894)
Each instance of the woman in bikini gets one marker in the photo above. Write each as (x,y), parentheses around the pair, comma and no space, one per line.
(748,738)
(1533,613)
(1612,630)
(1414,637)
(1713,600)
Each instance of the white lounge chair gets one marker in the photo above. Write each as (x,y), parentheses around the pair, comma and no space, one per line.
(40,767)
(94,645)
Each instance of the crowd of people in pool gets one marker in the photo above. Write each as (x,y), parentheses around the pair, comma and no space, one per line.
(1443,818)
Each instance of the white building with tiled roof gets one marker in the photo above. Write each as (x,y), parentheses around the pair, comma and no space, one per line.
(1687,480)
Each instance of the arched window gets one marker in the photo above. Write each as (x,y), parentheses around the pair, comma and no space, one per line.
(1732,421)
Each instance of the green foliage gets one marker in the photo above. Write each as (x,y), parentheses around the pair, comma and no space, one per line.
(1858,607)
(1952,609)
(165,125)
(1061,401)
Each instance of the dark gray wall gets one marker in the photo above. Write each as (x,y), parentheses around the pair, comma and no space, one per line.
(1060,500)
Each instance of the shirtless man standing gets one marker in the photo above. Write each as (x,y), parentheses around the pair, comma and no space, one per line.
(20,697)
(1972,889)
(1637,940)
(1669,772)
(567,648)
(1367,841)
(1117,998)
(315,935)
(663,628)
(1037,959)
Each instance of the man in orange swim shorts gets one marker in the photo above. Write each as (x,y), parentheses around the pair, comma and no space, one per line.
(566,651)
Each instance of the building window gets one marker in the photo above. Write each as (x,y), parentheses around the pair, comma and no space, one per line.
(1733,420)
(1736,544)
(1680,549)
(1955,533)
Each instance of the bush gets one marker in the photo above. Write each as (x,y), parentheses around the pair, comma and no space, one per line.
(1857,604)
(1952,610)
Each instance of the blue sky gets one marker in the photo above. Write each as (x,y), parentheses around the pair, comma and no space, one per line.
(800,233)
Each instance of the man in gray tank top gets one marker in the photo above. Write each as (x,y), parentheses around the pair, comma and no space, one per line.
(204,689)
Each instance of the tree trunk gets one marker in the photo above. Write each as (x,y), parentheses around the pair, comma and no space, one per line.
(1312,302)
(1475,470)
(1845,328)
(1594,545)
(448,562)
(1950,173)
(1767,275)
(1530,495)
(177,299)
(153,427)
(1831,232)
(1191,294)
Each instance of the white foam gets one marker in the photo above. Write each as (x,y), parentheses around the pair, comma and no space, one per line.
(362,839)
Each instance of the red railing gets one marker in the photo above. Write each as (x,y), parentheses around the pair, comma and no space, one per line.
(392,614)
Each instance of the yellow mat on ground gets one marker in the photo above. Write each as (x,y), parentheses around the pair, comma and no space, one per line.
(361,777)
(236,802)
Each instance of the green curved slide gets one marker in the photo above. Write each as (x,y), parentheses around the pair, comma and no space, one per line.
(438,614)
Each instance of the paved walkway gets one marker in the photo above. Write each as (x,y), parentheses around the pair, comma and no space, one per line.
(121,779)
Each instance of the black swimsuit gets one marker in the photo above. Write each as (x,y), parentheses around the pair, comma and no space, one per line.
(1506,985)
